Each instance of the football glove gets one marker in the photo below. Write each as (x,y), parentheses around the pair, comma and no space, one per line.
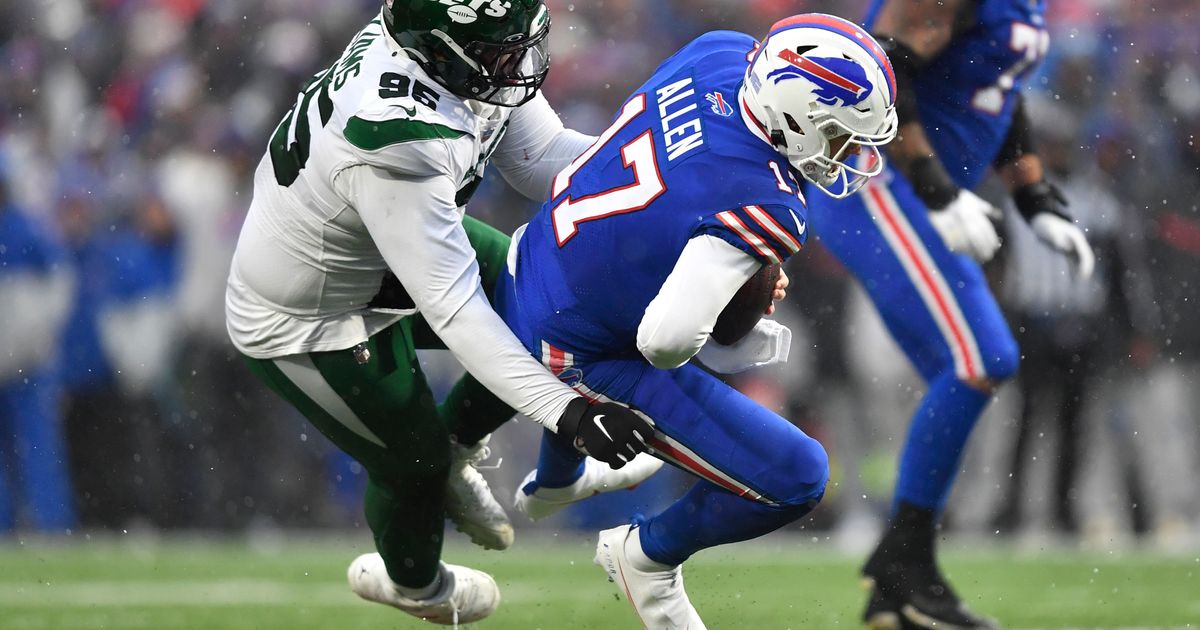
(768,343)
(966,226)
(610,432)
(1044,207)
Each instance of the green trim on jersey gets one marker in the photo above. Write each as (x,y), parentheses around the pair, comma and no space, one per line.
(370,135)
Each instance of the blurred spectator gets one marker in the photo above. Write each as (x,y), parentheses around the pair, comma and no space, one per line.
(117,350)
(35,289)
(1077,336)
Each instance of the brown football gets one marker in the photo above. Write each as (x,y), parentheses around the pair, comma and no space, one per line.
(748,306)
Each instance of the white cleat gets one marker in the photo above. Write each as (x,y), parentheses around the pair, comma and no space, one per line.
(537,502)
(470,504)
(657,595)
(466,595)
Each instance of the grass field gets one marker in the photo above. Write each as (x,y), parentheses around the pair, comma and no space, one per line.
(551,584)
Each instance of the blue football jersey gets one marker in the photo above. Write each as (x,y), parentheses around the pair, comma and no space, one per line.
(678,162)
(968,92)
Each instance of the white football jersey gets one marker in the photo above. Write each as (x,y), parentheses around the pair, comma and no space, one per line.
(306,267)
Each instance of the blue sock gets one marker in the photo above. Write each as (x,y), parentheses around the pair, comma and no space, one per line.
(708,516)
(559,463)
(936,440)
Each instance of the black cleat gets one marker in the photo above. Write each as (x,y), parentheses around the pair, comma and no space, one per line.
(907,589)
(881,613)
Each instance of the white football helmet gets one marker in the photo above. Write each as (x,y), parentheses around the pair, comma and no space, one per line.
(814,79)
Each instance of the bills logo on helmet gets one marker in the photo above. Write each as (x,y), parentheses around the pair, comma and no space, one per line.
(838,81)
(719,105)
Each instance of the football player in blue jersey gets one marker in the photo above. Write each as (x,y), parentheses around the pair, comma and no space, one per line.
(915,236)
(618,281)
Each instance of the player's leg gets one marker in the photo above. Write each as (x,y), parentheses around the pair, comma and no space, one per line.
(382,413)
(565,475)
(472,412)
(757,471)
(937,306)
(40,453)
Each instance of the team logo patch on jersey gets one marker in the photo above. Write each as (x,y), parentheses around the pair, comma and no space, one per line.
(838,81)
(719,106)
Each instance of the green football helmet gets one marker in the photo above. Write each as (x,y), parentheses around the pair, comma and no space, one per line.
(492,51)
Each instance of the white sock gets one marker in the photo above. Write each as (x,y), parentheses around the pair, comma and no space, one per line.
(638,558)
(424,592)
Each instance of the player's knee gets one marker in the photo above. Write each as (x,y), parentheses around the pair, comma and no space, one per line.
(1003,358)
(802,473)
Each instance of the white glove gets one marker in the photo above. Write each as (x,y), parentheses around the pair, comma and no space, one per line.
(966,226)
(1066,238)
(767,343)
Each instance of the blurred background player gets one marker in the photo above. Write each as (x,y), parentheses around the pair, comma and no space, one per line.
(368,173)
(619,281)
(915,237)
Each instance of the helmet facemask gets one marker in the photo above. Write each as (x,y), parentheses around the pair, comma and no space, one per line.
(857,160)
(492,53)
(508,74)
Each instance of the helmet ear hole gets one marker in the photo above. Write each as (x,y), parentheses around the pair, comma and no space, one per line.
(792,124)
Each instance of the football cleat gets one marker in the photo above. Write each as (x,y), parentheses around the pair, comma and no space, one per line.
(657,596)
(538,502)
(470,504)
(916,595)
(466,595)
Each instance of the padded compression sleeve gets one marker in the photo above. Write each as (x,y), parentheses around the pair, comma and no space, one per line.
(1019,141)
(906,63)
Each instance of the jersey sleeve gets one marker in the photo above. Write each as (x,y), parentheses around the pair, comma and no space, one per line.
(770,233)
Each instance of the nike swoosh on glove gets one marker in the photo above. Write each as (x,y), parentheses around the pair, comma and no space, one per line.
(610,432)
(768,343)
(1065,237)
(965,225)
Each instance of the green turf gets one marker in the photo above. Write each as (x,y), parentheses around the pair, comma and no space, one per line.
(551,584)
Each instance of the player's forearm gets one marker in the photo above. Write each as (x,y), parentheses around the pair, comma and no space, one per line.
(679,320)
(488,350)
(1026,170)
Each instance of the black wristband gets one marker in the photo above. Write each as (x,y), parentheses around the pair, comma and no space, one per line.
(1034,199)
(932,183)
(568,424)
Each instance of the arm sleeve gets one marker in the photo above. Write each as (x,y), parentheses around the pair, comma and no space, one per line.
(417,229)
(536,147)
(769,233)
(678,321)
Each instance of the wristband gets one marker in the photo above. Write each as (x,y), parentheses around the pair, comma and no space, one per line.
(932,183)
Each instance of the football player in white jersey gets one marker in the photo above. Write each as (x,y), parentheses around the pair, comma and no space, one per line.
(356,252)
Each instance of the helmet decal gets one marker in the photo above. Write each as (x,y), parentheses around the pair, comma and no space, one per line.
(838,81)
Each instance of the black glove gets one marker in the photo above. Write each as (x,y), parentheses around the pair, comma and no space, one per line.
(1034,199)
(609,432)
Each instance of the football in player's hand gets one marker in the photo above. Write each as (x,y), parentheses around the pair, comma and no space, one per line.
(748,305)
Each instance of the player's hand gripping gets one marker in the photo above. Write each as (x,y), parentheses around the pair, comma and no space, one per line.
(1043,205)
(965,225)
(780,291)
(607,431)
